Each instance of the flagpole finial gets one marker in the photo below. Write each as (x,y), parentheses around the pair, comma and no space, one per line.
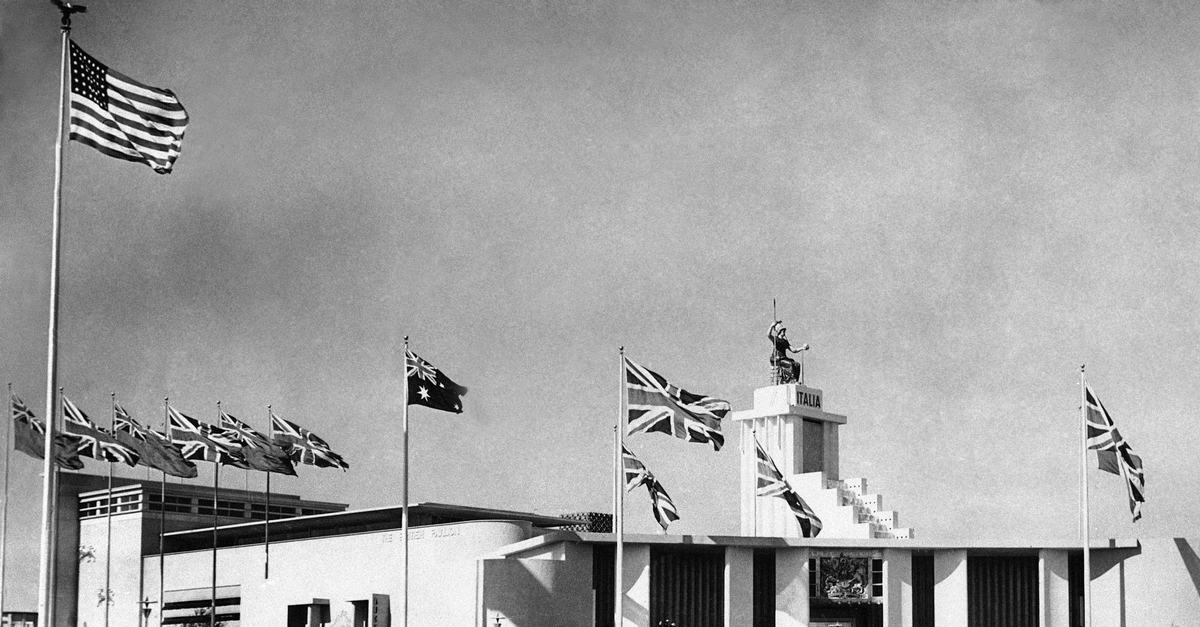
(66,8)
(1082,367)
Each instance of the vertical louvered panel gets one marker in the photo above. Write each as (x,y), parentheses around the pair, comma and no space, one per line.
(1075,588)
(603,582)
(922,583)
(1002,591)
(686,586)
(764,588)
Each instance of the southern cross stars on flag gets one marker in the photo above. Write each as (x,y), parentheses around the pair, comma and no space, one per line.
(124,118)
(431,387)
(772,483)
(637,474)
(304,446)
(1113,452)
(656,405)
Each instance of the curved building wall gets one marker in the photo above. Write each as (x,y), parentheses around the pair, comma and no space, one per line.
(349,568)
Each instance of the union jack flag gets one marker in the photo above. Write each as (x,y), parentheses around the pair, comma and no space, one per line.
(95,441)
(29,437)
(656,405)
(203,442)
(304,446)
(156,450)
(1113,453)
(772,483)
(259,452)
(637,474)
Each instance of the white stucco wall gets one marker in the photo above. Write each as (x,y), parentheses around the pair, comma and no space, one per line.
(1155,584)
(124,574)
(442,571)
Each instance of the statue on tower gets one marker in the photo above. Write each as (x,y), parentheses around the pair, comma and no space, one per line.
(787,368)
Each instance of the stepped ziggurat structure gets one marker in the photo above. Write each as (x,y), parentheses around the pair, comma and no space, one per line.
(329,566)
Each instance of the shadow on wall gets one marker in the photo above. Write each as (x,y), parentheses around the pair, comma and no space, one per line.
(1191,561)
(1102,562)
(537,593)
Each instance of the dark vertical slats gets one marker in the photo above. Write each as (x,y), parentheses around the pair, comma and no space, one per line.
(764,588)
(687,586)
(1002,591)
(922,582)
(1075,588)
(603,582)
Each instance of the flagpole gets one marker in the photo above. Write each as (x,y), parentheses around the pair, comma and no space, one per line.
(619,514)
(754,481)
(267,521)
(112,421)
(1083,491)
(162,516)
(4,516)
(212,611)
(48,544)
(404,492)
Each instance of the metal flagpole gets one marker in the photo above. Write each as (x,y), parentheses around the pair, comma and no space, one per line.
(404,493)
(267,521)
(4,516)
(212,612)
(754,479)
(162,519)
(1083,492)
(48,544)
(112,421)
(619,514)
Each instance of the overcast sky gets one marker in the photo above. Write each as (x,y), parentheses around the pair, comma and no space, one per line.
(956,203)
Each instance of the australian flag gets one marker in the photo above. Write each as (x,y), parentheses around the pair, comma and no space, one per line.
(430,387)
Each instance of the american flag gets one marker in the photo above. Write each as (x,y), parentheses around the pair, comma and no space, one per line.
(637,474)
(772,483)
(94,441)
(1113,452)
(157,450)
(304,445)
(203,442)
(656,405)
(124,118)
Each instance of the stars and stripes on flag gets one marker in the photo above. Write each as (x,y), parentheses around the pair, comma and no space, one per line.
(637,474)
(1112,451)
(771,482)
(124,118)
(156,450)
(198,441)
(431,387)
(259,452)
(29,437)
(304,446)
(656,405)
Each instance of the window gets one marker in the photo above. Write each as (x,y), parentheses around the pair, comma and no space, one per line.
(877,577)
